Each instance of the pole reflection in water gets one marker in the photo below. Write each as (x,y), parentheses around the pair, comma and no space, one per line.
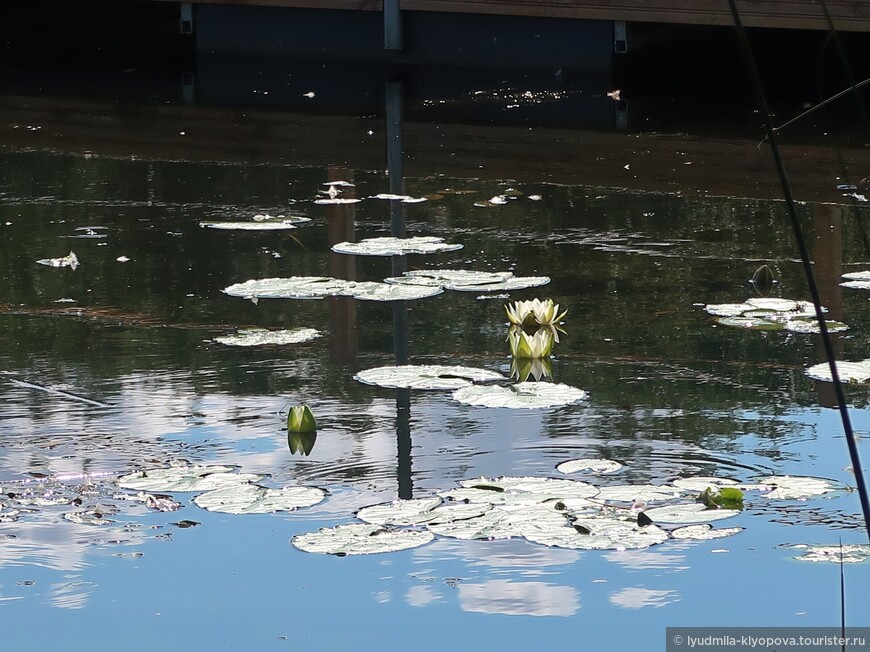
(399,266)
(828,257)
(341,227)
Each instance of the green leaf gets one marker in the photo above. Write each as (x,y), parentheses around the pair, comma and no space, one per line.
(723,497)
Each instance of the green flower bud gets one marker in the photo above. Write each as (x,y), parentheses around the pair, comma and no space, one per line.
(301,419)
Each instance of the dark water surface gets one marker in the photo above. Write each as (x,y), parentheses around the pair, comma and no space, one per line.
(135,379)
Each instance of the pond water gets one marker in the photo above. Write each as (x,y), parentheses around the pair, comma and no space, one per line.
(113,366)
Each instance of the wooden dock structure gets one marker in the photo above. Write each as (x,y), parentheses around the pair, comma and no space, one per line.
(845,15)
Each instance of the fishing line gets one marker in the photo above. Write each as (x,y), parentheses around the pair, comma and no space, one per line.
(805,260)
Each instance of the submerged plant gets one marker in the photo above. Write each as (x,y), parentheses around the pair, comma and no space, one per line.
(534,313)
(301,419)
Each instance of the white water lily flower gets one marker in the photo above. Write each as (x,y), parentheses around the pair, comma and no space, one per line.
(539,345)
(534,313)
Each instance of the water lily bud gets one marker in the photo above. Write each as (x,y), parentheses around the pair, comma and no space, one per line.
(301,419)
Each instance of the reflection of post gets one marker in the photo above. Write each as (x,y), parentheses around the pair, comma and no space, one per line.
(403,442)
(828,258)
(400,265)
(341,226)
(397,210)
(394,156)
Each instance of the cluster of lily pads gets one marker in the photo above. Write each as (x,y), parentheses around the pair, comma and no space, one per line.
(93,500)
(557,512)
(562,513)
(413,285)
(768,313)
(849,372)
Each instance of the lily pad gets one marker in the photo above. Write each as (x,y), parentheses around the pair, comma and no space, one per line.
(70,260)
(425,376)
(513,283)
(389,246)
(405,199)
(185,478)
(700,483)
(389,292)
(294,287)
(274,224)
(337,200)
(858,276)
(87,517)
(539,489)
(849,372)
(318,287)
(803,308)
(628,493)
(526,395)
(503,522)
(727,309)
(857,280)
(767,313)
(688,513)
(360,539)
(457,276)
(601,534)
(856,285)
(703,532)
(589,464)
(848,553)
(794,487)
(260,337)
(400,512)
(811,325)
(253,499)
